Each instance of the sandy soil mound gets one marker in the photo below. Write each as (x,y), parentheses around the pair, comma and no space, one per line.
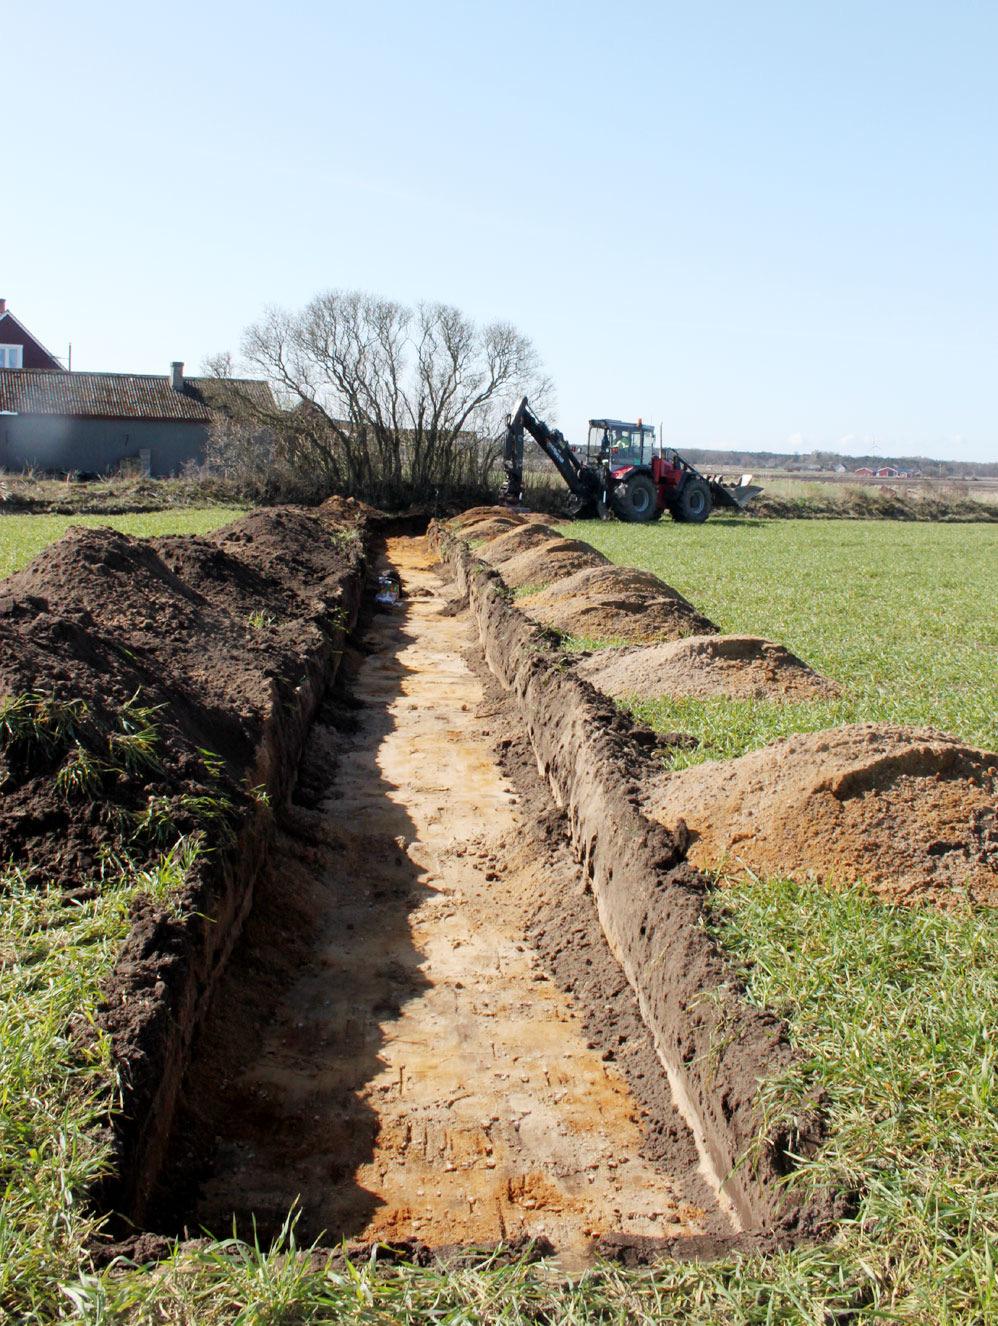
(476,513)
(515,541)
(551,560)
(599,580)
(605,602)
(909,811)
(741,666)
(487,529)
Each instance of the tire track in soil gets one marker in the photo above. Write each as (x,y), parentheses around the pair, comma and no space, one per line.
(386,1046)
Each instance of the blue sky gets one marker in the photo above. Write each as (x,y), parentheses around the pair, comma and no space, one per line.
(764,224)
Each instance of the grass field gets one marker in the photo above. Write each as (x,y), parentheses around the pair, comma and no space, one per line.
(24,537)
(903,616)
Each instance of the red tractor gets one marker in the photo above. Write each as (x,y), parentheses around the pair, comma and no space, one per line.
(621,473)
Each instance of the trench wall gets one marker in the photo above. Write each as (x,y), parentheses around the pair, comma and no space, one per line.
(714,1046)
(167,970)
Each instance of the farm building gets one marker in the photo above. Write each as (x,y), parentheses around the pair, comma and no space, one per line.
(89,423)
(18,348)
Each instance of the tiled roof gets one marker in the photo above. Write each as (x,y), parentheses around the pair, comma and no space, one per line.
(229,393)
(120,395)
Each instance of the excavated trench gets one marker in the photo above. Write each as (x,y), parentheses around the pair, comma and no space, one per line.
(421,1036)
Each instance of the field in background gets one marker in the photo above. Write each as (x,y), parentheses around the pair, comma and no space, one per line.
(24,537)
(901,615)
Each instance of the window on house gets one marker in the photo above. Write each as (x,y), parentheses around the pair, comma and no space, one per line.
(11,356)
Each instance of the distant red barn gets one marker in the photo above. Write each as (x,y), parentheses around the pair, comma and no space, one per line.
(865,471)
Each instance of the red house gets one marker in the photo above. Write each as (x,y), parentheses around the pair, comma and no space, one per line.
(18,348)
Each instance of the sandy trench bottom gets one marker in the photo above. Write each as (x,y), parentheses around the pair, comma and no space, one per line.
(417,1075)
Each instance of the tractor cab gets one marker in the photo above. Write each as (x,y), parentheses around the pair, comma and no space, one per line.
(619,443)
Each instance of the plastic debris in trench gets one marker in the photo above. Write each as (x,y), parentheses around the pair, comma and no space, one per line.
(389,588)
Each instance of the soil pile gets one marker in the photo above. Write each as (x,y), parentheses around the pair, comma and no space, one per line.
(614,603)
(909,811)
(741,666)
(349,510)
(478,513)
(488,528)
(555,559)
(123,661)
(511,543)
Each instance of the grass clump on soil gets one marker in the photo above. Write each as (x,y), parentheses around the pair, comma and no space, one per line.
(895,613)
(23,537)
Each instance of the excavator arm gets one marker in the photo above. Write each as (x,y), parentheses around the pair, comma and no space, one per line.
(582,479)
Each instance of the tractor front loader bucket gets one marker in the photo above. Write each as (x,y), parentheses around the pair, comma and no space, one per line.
(734,495)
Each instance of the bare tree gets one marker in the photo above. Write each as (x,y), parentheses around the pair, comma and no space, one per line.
(388,402)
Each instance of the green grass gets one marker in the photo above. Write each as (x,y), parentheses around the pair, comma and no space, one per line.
(901,615)
(56,1080)
(23,537)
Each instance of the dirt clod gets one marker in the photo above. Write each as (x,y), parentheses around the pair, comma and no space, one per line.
(741,666)
(910,812)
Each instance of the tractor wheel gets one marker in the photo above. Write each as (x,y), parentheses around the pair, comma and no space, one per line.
(693,505)
(636,500)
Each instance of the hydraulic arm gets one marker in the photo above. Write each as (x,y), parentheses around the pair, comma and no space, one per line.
(584,480)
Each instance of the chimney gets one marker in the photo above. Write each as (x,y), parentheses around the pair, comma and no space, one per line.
(3,307)
(177,375)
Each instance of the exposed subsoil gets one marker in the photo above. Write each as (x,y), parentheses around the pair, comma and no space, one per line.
(911,812)
(403,1038)
(739,666)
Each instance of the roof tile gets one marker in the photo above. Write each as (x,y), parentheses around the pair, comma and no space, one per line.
(114,395)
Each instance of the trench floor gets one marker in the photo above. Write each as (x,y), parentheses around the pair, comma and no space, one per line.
(414,1074)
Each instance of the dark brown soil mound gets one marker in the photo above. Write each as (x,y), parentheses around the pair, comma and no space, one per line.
(741,666)
(208,633)
(349,510)
(614,604)
(510,544)
(909,811)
